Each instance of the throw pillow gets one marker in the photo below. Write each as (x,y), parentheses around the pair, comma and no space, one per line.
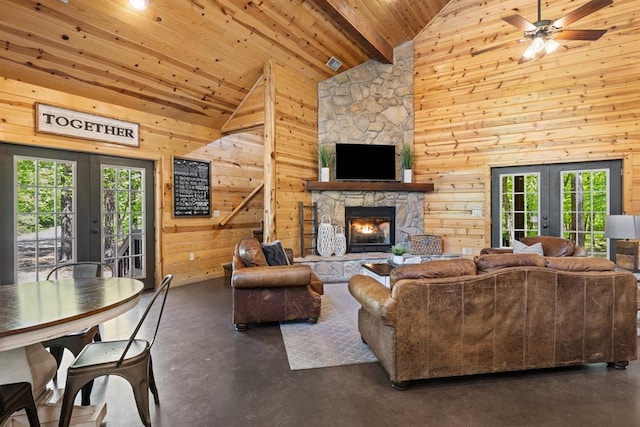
(521,248)
(275,254)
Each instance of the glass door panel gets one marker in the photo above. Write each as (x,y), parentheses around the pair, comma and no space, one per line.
(45,220)
(123,220)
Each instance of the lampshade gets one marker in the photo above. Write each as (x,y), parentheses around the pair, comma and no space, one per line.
(622,227)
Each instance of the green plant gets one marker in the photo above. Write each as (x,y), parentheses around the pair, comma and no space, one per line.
(406,156)
(398,250)
(325,155)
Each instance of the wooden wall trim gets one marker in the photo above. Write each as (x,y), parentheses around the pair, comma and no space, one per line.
(270,206)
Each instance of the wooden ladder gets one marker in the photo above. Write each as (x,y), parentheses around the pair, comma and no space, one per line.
(308,215)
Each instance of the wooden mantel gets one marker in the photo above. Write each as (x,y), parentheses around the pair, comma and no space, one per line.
(368,186)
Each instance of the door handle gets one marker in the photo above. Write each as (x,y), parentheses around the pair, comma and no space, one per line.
(95,231)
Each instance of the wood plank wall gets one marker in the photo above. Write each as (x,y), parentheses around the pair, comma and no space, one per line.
(296,147)
(473,113)
(236,163)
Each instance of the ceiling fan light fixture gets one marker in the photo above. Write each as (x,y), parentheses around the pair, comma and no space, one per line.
(538,44)
(529,53)
(551,45)
(139,4)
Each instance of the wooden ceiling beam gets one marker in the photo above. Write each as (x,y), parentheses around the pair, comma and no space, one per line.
(357,26)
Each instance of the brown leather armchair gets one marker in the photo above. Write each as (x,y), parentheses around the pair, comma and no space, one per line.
(270,293)
(551,245)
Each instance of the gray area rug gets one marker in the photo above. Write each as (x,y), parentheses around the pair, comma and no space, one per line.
(334,340)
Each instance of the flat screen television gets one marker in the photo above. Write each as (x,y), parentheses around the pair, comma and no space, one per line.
(365,162)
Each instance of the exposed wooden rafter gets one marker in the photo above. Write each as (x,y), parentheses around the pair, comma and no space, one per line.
(357,26)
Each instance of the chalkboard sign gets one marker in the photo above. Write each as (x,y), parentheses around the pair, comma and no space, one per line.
(191,188)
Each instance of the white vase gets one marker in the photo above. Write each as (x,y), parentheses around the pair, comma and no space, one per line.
(398,259)
(407,175)
(324,175)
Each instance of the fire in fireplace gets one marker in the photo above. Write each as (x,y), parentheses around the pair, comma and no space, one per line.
(370,229)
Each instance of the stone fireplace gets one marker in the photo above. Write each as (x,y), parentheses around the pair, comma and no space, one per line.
(408,208)
(370,229)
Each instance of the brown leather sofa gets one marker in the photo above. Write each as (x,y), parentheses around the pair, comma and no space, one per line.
(495,313)
(270,293)
(551,246)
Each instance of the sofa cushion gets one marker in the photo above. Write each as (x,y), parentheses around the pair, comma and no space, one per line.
(250,250)
(522,248)
(580,264)
(551,245)
(486,263)
(434,269)
(275,254)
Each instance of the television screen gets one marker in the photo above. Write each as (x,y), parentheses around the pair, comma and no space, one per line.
(365,162)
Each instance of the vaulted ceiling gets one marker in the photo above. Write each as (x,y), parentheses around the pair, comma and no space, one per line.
(194,60)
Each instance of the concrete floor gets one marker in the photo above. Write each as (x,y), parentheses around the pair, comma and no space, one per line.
(210,375)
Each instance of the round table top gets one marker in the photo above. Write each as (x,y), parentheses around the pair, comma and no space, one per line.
(36,311)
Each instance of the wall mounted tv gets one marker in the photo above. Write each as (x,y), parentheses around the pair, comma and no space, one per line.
(365,162)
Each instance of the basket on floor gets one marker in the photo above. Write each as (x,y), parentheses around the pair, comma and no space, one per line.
(425,244)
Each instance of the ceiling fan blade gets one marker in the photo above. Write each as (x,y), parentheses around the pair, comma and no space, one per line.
(581,12)
(580,34)
(475,52)
(519,22)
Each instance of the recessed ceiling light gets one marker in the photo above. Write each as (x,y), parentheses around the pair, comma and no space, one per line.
(139,4)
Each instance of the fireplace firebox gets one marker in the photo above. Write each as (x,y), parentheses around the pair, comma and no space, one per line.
(370,229)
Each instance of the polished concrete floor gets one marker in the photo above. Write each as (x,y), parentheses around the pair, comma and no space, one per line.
(210,375)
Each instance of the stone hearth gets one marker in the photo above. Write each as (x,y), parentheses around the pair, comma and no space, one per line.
(335,269)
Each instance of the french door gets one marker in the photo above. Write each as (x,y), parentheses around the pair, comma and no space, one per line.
(570,200)
(58,207)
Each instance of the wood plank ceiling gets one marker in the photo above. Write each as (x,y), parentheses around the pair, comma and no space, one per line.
(194,60)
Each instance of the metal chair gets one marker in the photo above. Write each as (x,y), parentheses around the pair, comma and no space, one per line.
(130,359)
(76,341)
(17,396)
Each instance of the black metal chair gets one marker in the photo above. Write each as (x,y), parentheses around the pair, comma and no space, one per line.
(17,396)
(130,359)
(76,341)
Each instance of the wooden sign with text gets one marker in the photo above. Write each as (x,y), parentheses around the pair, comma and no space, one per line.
(61,121)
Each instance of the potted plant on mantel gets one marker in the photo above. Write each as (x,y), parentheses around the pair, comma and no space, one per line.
(406,162)
(325,155)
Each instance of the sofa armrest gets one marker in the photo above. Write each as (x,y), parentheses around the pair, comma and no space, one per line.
(271,276)
(374,297)
(493,251)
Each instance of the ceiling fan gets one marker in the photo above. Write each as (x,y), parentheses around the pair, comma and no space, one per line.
(544,33)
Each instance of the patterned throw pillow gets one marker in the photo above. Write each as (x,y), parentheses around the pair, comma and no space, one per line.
(275,254)
(521,248)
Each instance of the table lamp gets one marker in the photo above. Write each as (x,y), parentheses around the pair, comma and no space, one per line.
(626,229)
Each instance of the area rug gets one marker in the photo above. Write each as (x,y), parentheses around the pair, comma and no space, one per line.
(334,340)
